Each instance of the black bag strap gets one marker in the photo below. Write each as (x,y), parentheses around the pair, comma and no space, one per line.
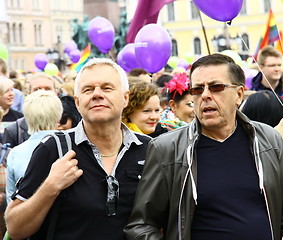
(64,144)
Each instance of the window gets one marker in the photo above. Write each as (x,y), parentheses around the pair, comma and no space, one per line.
(171,12)
(39,35)
(197,46)
(174,48)
(35,34)
(194,10)
(20,33)
(14,33)
(266,6)
(8,33)
(245,38)
(244,8)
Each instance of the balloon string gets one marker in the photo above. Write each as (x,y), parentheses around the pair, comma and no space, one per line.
(262,72)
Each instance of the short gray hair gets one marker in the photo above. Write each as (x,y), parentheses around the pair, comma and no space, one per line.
(103,61)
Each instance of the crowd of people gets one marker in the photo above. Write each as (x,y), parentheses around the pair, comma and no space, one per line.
(186,154)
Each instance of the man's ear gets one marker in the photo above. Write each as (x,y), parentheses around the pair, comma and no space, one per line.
(126,97)
(76,101)
(240,93)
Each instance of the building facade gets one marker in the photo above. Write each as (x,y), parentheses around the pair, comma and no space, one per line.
(181,19)
(38,26)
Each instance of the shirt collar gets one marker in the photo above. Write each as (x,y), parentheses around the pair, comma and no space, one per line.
(129,136)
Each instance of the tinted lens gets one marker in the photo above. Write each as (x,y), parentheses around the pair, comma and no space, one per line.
(196,90)
(64,119)
(216,87)
(112,195)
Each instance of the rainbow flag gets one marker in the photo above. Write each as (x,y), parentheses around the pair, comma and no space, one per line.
(84,58)
(278,44)
(271,34)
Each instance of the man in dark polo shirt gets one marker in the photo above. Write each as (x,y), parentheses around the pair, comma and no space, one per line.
(96,181)
(220,177)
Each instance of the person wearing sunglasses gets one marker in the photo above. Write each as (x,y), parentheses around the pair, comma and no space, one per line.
(219,177)
(270,75)
(70,117)
(95,182)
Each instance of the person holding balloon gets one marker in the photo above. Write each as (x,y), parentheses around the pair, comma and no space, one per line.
(220,177)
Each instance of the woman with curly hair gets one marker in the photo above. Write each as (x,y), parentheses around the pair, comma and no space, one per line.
(143,111)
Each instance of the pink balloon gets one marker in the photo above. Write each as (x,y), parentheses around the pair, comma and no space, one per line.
(75,55)
(153,47)
(101,33)
(40,60)
(221,10)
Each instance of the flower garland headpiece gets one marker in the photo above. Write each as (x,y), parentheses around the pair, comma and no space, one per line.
(179,83)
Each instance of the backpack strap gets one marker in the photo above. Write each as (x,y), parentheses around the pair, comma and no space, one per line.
(64,144)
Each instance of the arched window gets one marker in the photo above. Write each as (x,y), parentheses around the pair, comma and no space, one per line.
(35,34)
(14,33)
(194,10)
(171,12)
(174,47)
(245,38)
(8,33)
(197,46)
(244,8)
(266,6)
(39,34)
(20,33)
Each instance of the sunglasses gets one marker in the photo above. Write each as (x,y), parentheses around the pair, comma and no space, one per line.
(64,119)
(112,195)
(212,88)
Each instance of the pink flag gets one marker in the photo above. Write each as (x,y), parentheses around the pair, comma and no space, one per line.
(147,12)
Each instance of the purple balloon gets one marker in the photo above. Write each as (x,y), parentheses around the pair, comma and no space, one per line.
(153,47)
(220,10)
(129,56)
(75,55)
(101,33)
(121,62)
(70,46)
(249,74)
(40,60)
(183,63)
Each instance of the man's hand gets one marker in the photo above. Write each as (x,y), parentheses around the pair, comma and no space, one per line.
(64,172)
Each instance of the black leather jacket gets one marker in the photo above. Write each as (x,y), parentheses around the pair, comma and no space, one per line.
(165,198)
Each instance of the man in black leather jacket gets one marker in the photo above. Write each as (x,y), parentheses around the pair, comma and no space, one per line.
(220,177)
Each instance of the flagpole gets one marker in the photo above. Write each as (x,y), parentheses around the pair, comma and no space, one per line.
(204,31)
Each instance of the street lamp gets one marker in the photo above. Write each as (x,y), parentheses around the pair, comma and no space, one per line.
(225,41)
(56,56)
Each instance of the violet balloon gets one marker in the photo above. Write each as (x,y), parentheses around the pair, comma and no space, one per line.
(220,10)
(153,47)
(40,60)
(183,63)
(101,33)
(121,62)
(70,46)
(75,55)
(129,56)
